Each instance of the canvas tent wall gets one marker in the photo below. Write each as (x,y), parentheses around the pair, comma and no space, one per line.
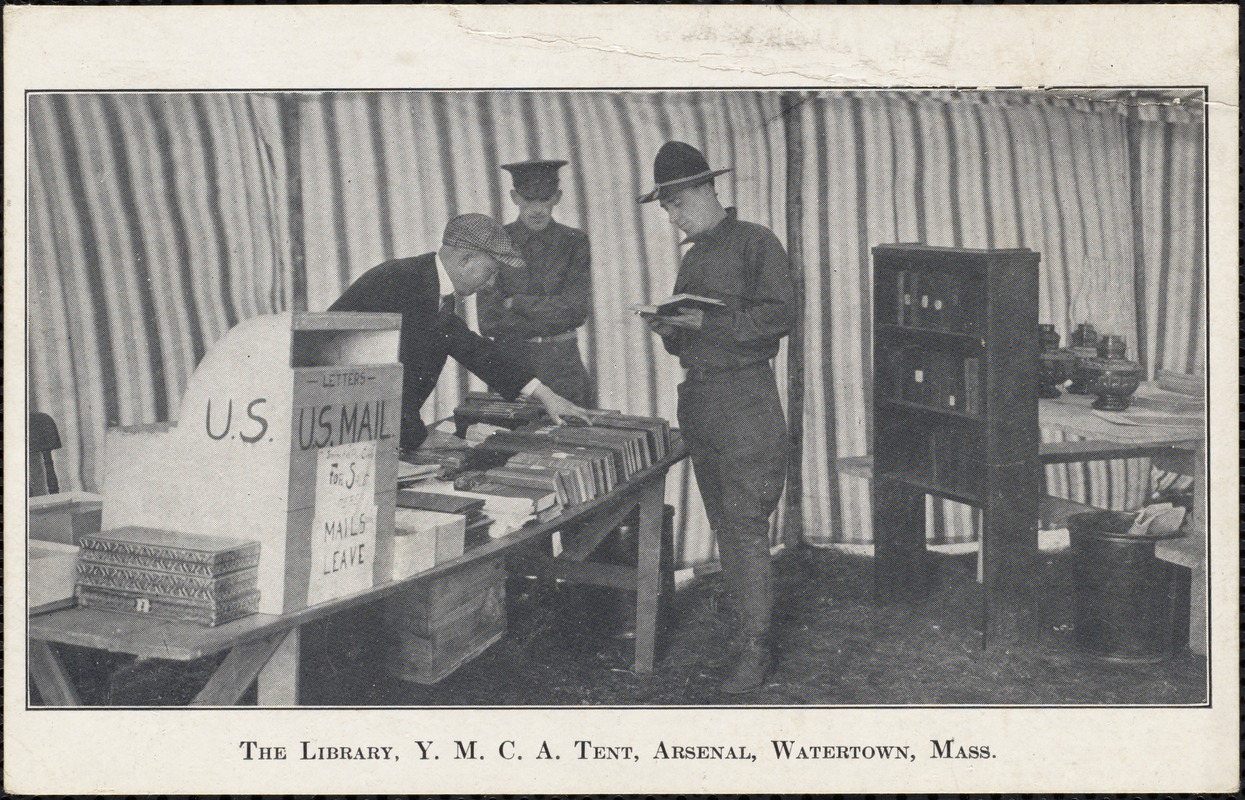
(157,221)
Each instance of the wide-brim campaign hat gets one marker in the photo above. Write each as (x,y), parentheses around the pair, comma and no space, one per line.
(677,166)
(536,179)
(482,232)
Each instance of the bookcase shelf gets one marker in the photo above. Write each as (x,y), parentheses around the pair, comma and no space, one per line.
(968,343)
(930,486)
(954,409)
(922,409)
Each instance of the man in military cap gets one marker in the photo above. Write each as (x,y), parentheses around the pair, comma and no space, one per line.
(729,408)
(533,312)
(424,290)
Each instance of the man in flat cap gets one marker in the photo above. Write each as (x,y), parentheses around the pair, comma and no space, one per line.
(534,312)
(729,408)
(474,249)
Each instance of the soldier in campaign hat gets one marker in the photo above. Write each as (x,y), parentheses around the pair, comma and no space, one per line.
(534,312)
(729,410)
(425,291)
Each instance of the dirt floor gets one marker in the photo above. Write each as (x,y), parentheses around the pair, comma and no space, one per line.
(835,649)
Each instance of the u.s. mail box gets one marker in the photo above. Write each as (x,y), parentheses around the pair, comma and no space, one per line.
(287,435)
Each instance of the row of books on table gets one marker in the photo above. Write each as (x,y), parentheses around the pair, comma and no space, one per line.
(537,470)
(511,479)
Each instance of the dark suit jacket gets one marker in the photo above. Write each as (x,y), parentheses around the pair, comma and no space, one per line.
(408,286)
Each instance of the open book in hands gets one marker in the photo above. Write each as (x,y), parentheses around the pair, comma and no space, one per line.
(673,306)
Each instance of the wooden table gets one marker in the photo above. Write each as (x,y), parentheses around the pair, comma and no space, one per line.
(1181,450)
(264,648)
(1176,449)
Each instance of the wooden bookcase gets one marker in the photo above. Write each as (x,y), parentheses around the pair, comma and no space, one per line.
(954,409)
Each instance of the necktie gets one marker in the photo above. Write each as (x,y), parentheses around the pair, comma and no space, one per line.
(447,303)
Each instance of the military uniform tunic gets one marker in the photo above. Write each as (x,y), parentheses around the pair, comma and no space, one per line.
(729,408)
(550,298)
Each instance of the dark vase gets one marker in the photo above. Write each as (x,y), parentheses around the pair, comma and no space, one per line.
(1114,381)
(1048,337)
(1084,336)
(1079,373)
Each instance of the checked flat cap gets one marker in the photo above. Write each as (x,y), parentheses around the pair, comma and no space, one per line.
(483,233)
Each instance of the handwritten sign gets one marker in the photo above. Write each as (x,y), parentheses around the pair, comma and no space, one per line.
(343,532)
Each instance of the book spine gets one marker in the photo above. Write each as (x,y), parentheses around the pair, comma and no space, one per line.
(223,566)
(972,386)
(241,606)
(213,559)
(903,299)
(165,584)
(920,299)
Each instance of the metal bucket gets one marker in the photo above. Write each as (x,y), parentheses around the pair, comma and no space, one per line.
(1126,598)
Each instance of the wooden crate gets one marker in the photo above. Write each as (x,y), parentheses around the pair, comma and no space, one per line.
(441,624)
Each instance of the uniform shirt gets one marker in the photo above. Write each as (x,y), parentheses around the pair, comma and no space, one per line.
(551,295)
(431,332)
(745,266)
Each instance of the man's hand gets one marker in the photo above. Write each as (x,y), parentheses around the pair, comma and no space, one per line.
(690,318)
(559,408)
(658,325)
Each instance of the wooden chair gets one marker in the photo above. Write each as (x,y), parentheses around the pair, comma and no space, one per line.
(43,439)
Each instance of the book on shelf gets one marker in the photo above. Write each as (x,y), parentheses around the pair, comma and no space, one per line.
(213,555)
(903,297)
(972,387)
(170,607)
(676,304)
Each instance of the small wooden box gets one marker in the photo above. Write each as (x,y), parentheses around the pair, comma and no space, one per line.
(422,539)
(53,569)
(66,517)
(443,623)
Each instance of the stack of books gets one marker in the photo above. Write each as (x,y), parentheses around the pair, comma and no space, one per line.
(475,522)
(208,580)
(492,409)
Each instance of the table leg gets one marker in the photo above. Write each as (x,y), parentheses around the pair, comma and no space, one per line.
(48,675)
(243,664)
(648,574)
(278,680)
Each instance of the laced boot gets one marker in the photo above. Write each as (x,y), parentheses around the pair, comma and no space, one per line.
(752,666)
(724,650)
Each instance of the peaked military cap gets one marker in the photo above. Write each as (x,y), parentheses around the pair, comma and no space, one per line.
(536,179)
(678,165)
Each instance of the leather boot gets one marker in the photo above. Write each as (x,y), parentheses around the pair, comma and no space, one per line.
(751,667)
(724,651)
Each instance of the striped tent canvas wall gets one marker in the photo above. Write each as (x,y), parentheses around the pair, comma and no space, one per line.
(426,156)
(155,223)
(978,169)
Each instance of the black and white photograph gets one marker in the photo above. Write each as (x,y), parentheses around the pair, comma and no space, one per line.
(671,423)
